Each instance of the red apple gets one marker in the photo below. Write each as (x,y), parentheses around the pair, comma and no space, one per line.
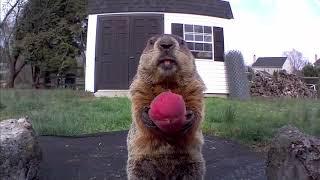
(168,112)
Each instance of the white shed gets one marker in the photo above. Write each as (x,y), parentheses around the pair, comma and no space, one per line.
(118,29)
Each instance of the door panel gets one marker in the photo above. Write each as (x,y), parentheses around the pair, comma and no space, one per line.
(112,52)
(120,41)
(142,27)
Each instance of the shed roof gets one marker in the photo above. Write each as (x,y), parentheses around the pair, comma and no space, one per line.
(274,62)
(214,8)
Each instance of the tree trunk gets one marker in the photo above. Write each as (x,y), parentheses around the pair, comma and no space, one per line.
(35,77)
(13,72)
(83,55)
(13,63)
(10,83)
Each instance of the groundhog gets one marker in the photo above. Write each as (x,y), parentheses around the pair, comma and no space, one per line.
(166,64)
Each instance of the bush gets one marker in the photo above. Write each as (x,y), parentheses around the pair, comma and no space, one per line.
(311,71)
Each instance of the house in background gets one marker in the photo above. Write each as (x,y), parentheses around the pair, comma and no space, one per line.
(272,64)
(118,30)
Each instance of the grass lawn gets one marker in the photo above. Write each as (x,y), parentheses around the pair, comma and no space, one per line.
(67,112)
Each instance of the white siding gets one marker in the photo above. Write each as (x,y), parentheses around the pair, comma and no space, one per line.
(212,72)
(90,56)
(268,70)
(214,76)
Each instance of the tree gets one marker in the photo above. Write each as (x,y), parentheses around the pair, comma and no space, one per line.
(311,71)
(11,53)
(49,33)
(296,59)
(9,11)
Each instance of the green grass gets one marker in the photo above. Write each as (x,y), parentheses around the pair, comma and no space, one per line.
(67,112)
(257,120)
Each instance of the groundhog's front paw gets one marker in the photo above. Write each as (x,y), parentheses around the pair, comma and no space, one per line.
(190,119)
(146,119)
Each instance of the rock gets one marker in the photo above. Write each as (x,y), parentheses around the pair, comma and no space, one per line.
(20,154)
(281,84)
(293,156)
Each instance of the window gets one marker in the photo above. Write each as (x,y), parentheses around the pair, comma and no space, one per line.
(205,42)
(199,40)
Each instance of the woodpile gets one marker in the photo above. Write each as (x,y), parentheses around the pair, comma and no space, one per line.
(280,84)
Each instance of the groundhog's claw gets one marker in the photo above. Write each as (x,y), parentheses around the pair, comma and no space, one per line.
(190,117)
(146,119)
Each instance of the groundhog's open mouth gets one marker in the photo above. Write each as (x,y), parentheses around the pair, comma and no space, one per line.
(167,64)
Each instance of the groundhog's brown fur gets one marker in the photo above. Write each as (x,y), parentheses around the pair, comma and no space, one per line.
(151,154)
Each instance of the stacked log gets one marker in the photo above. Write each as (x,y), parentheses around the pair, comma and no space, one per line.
(280,84)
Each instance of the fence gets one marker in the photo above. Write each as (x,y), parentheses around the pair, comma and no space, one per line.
(311,80)
(70,80)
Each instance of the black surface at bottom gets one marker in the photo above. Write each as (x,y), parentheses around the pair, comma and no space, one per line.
(103,157)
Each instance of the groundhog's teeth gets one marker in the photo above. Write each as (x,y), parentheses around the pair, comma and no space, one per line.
(167,62)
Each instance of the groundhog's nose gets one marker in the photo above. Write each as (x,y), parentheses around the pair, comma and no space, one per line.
(166,44)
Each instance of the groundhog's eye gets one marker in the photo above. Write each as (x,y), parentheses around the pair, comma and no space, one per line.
(182,42)
(151,41)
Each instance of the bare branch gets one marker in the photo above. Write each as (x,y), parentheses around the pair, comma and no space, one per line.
(9,12)
(18,70)
(296,59)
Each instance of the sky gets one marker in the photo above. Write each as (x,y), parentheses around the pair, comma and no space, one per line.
(270,27)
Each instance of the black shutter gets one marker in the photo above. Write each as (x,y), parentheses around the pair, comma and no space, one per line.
(177,29)
(218,43)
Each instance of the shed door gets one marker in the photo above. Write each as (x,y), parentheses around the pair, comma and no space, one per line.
(120,41)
